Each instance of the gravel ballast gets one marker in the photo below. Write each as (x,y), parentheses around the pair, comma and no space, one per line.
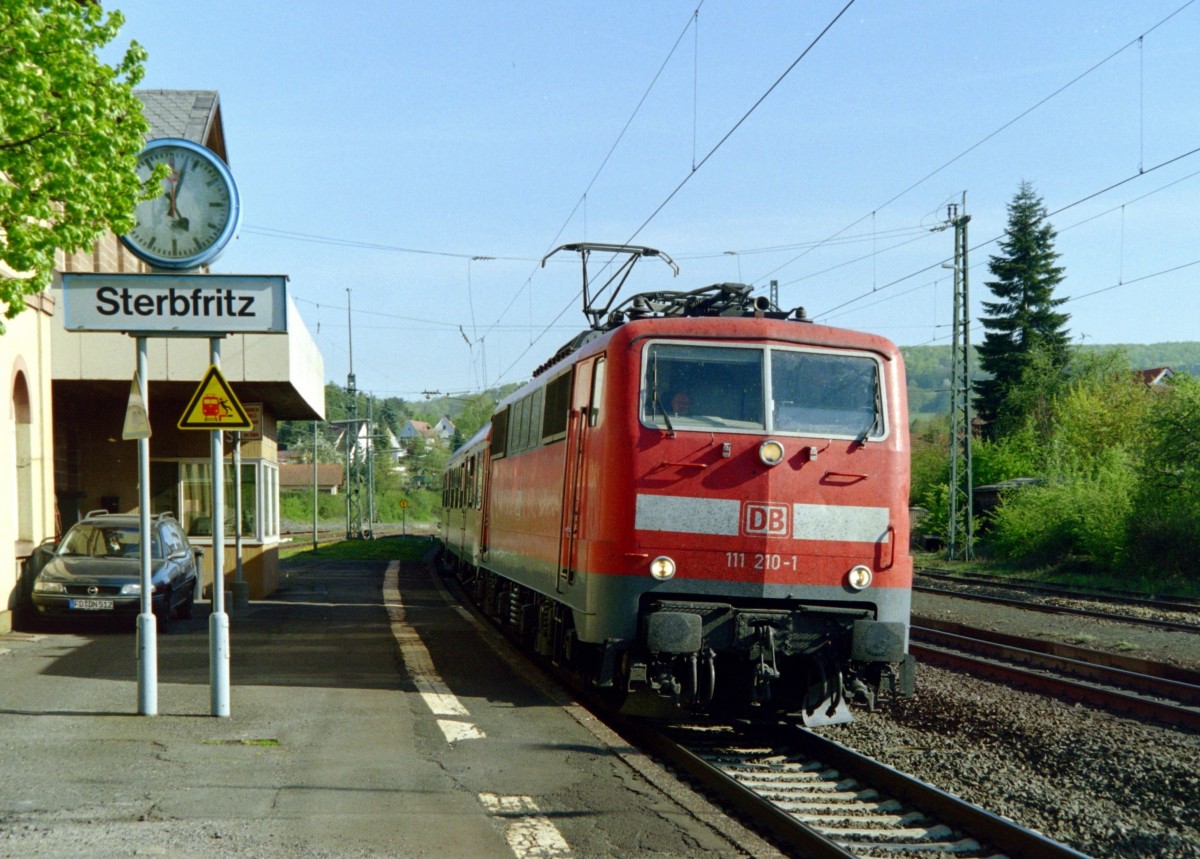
(1106,785)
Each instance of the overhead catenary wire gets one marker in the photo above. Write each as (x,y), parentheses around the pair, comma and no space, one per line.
(840,238)
(829,315)
(697,165)
(986,242)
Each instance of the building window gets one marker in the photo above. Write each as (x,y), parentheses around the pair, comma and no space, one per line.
(186,489)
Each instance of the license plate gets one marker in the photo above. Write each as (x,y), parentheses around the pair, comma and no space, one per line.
(93,605)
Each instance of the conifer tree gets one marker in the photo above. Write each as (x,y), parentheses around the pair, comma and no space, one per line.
(1024,333)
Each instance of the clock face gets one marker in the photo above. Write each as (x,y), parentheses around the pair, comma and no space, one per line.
(197,213)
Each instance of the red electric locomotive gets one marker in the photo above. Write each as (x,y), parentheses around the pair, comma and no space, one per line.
(701,501)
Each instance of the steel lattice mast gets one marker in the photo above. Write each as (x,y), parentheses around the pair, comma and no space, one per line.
(961,525)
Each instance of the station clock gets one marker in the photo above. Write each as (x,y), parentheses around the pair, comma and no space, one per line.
(192,221)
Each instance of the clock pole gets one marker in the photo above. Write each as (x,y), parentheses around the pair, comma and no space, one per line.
(147,641)
(218,621)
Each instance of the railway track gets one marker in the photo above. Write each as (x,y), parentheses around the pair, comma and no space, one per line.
(1186,619)
(821,799)
(811,796)
(1162,602)
(1140,687)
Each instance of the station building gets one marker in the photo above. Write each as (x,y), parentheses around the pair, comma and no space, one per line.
(26,443)
(68,393)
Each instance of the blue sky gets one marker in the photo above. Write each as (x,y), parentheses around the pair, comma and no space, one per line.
(426,155)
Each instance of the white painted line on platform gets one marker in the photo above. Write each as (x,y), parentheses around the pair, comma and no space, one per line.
(530,833)
(456,731)
(437,696)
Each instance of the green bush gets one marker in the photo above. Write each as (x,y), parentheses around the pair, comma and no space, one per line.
(1164,525)
(1079,516)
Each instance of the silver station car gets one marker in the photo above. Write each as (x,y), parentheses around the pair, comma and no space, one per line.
(96,569)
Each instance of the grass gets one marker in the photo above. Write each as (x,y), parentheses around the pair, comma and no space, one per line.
(382,549)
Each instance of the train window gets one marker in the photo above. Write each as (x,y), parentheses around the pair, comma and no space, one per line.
(500,433)
(520,423)
(703,387)
(533,429)
(558,406)
(597,392)
(826,393)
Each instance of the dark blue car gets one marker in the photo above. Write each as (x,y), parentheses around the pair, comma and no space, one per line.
(95,570)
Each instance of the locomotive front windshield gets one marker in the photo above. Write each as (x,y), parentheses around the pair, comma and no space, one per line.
(815,393)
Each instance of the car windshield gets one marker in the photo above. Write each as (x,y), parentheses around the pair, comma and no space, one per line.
(806,392)
(99,540)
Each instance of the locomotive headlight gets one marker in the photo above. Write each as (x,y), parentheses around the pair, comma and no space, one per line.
(662,568)
(859,577)
(770,452)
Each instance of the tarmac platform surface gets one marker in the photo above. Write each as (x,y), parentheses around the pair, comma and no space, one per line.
(370,715)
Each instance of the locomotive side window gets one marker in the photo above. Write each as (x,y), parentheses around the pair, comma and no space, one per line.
(500,433)
(597,392)
(822,393)
(533,430)
(702,387)
(520,424)
(558,405)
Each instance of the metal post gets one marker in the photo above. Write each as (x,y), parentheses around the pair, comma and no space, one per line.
(346,479)
(371,467)
(314,495)
(241,590)
(218,622)
(147,641)
(960,542)
(968,411)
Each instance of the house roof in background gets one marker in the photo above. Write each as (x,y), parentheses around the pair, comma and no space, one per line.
(1156,375)
(300,474)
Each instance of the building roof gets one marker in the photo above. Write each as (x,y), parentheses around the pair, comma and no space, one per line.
(421,427)
(193,114)
(1155,375)
(293,475)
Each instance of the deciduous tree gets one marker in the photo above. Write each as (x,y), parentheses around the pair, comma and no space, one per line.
(70,132)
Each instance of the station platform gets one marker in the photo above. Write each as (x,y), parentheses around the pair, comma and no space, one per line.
(370,715)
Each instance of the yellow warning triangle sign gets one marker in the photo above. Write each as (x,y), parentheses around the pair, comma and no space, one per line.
(214,407)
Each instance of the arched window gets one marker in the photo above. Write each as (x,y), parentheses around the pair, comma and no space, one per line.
(22,429)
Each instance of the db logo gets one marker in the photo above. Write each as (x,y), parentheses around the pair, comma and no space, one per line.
(766,520)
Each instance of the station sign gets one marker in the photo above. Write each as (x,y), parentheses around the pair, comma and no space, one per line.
(175,304)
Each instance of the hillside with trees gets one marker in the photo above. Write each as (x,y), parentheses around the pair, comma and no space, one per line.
(928,369)
(406,474)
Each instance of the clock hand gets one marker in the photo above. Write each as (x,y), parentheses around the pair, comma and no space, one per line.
(180,223)
(170,181)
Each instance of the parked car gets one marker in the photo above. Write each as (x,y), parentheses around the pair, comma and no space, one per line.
(96,569)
